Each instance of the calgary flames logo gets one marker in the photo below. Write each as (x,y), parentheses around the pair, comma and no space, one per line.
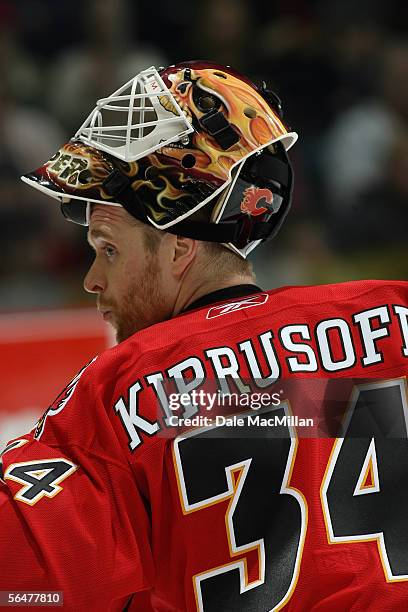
(253,195)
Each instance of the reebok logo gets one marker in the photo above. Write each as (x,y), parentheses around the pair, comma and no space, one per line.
(223,309)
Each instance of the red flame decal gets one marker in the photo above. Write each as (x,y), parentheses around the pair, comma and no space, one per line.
(252,195)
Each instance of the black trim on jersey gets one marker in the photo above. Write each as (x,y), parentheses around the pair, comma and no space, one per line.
(226,293)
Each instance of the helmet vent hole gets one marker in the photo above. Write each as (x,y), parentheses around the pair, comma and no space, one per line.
(250,112)
(207,103)
(188,161)
(151,173)
(220,75)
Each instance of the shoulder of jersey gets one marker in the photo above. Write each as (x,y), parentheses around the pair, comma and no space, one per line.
(187,326)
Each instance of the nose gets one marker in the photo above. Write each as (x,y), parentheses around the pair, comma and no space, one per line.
(94,281)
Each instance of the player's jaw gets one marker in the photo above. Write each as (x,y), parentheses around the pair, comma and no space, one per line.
(136,308)
(136,304)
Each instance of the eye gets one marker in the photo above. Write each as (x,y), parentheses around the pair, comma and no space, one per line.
(109,251)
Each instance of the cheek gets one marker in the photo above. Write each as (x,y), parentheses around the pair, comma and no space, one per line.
(132,271)
(119,277)
(131,278)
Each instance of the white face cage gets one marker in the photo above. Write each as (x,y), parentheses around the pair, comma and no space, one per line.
(137,119)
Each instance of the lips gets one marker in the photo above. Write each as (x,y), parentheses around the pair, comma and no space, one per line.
(105,312)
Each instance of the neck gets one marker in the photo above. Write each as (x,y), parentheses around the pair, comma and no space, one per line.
(189,294)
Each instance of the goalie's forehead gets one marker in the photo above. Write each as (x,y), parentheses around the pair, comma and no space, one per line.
(111,221)
(102,213)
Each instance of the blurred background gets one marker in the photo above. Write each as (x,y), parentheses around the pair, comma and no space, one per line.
(341,69)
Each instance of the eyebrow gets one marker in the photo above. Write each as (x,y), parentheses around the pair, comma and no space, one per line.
(94,235)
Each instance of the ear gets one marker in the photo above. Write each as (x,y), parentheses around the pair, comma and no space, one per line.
(184,252)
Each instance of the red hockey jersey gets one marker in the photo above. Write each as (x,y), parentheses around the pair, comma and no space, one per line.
(137,491)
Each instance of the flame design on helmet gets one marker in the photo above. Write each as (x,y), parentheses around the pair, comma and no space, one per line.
(178,188)
(245,108)
(76,167)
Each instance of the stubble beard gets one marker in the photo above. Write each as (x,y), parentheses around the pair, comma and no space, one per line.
(143,303)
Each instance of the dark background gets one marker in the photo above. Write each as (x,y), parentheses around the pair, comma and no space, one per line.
(340,67)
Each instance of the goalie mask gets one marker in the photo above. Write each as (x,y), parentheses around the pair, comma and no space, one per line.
(173,141)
